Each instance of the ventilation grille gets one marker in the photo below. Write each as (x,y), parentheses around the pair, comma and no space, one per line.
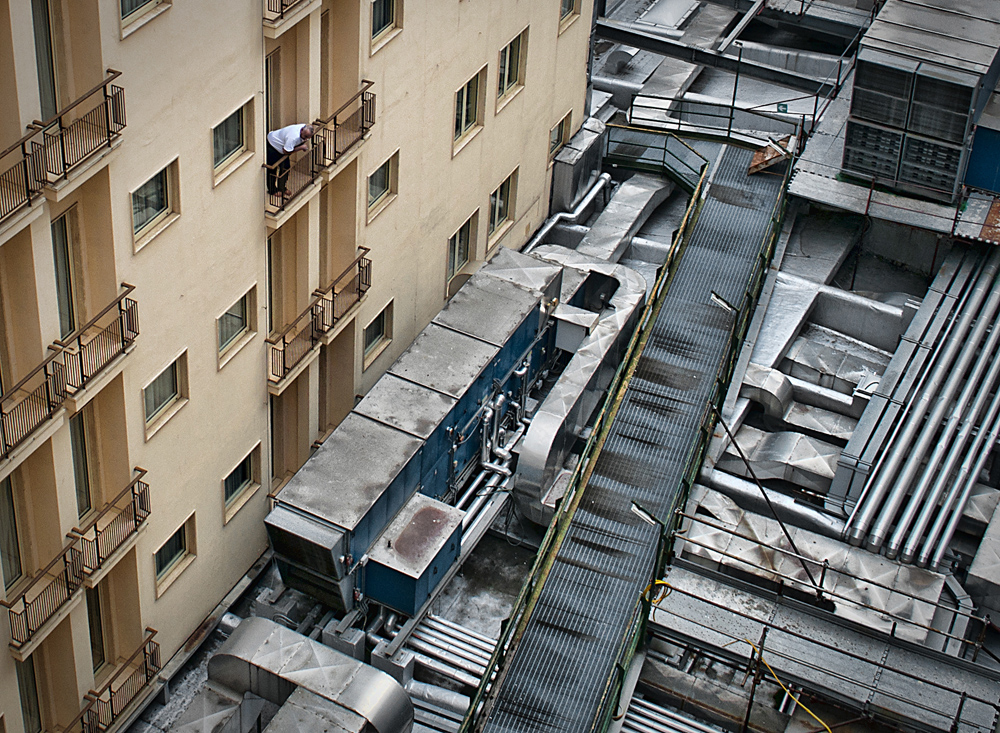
(933,121)
(885,79)
(877,107)
(872,151)
(931,164)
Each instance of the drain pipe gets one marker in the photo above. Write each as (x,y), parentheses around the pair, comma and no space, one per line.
(955,450)
(577,212)
(885,482)
(948,516)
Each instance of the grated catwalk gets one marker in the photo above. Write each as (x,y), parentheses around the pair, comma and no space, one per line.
(567,655)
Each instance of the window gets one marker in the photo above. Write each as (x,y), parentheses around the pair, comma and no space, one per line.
(467,105)
(510,75)
(229,138)
(242,478)
(27,688)
(378,334)
(44,59)
(81,469)
(568,8)
(95,620)
(501,210)
(161,392)
(63,258)
(174,550)
(10,546)
(151,202)
(234,322)
(383,17)
(382,184)
(558,136)
(458,248)
(131,7)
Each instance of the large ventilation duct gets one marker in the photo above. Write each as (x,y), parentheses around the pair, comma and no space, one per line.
(321,685)
(562,416)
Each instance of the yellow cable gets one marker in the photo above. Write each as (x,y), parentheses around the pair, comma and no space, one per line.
(787,692)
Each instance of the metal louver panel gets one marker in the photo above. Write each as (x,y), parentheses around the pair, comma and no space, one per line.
(932,166)
(872,151)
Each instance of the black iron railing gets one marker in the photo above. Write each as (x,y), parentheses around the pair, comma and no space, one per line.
(276,9)
(345,292)
(75,361)
(43,595)
(297,339)
(114,524)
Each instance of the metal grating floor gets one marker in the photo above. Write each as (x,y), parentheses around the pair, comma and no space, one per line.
(563,664)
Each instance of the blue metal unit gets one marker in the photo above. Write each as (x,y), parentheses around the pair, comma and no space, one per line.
(984,161)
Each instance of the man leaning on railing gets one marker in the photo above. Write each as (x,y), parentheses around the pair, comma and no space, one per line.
(280,144)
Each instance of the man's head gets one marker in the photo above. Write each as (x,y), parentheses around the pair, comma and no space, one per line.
(307,132)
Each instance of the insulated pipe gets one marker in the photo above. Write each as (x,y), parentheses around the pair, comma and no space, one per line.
(452,644)
(473,487)
(481,640)
(961,413)
(476,505)
(948,516)
(577,212)
(885,482)
(957,449)
(448,657)
(452,701)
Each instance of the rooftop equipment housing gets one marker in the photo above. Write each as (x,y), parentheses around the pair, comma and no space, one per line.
(925,72)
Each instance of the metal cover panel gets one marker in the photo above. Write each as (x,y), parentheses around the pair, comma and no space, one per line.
(416,535)
(445,360)
(488,308)
(410,407)
(350,471)
(525,270)
(306,541)
(307,712)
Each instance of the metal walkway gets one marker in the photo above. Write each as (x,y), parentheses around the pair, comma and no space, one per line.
(566,669)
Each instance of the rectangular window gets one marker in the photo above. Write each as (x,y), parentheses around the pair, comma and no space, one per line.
(44,59)
(239,479)
(233,323)
(10,546)
(378,184)
(558,136)
(27,688)
(95,620)
(272,90)
(383,17)
(130,7)
(63,257)
(379,331)
(81,469)
(567,9)
(510,73)
(458,248)
(161,392)
(467,105)
(501,210)
(150,202)
(172,551)
(229,138)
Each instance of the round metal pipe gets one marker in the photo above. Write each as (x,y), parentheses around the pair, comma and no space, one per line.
(442,623)
(454,645)
(577,212)
(958,448)
(448,657)
(886,484)
(948,516)
(944,444)
(473,487)
(450,700)
(453,637)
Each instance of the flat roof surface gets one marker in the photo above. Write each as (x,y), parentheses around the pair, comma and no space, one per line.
(350,471)
(416,535)
(488,308)
(443,359)
(405,405)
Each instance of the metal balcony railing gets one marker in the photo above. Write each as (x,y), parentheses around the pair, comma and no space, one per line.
(91,122)
(345,292)
(290,346)
(43,595)
(92,347)
(53,148)
(102,708)
(114,524)
(291,174)
(75,361)
(276,9)
(342,130)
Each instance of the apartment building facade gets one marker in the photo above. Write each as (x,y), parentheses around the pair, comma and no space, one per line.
(176,332)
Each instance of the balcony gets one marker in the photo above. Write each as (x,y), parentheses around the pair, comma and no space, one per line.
(280,15)
(347,290)
(75,365)
(123,691)
(108,535)
(335,137)
(42,598)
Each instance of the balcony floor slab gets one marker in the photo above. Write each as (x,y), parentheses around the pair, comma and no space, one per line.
(75,402)
(22,652)
(276,388)
(43,432)
(275,219)
(96,161)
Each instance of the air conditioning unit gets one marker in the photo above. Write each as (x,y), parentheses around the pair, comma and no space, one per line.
(943,103)
(872,151)
(883,86)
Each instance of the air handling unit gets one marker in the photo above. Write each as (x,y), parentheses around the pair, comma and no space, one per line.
(926,70)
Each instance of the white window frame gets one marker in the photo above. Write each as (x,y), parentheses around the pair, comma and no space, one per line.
(169,407)
(454,266)
(242,337)
(562,128)
(166,576)
(371,351)
(506,89)
(377,205)
(223,168)
(391,30)
(465,126)
(149,229)
(232,504)
(503,199)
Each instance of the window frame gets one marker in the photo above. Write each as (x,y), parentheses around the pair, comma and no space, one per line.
(497,227)
(465,128)
(141,15)
(506,89)
(232,503)
(371,352)
(453,268)
(569,11)
(142,235)
(228,349)
(563,127)
(173,404)
(222,168)
(165,576)
(389,31)
(377,205)
(7,486)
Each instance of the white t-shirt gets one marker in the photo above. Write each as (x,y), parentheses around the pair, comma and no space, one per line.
(286,139)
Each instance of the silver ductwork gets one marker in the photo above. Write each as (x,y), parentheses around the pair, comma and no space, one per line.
(266,659)
(564,413)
